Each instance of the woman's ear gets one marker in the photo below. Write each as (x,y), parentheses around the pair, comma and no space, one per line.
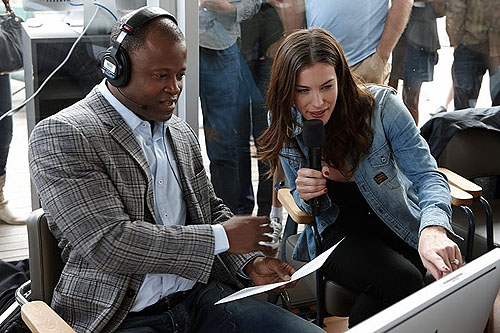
(325,170)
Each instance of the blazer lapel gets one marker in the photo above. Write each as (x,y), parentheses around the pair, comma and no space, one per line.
(123,135)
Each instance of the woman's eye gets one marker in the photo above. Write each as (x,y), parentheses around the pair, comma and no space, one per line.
(328,87)
(302,91)
(160,76)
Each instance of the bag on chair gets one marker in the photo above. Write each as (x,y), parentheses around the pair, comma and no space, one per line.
(11,58)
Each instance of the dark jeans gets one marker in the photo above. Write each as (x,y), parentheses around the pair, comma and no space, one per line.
(197,313)
(254,122)
(6,123)
(221,104)
(227,92)
(468,70)
(377,264)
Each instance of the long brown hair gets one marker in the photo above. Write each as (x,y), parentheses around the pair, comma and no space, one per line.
(348,131)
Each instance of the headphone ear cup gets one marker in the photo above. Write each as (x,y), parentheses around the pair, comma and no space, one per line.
(116,69)
(123,61)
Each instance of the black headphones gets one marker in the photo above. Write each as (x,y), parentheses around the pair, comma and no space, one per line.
(115,62)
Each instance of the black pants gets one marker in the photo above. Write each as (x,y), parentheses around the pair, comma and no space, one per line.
(6,123)
(374,262)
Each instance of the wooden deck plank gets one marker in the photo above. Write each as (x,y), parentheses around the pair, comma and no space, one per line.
(13,246)
(9,230)
(14,238)
(14,255)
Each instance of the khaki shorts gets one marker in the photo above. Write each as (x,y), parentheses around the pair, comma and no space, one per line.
(372,70)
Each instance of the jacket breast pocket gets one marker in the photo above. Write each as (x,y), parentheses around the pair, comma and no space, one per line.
(383,167)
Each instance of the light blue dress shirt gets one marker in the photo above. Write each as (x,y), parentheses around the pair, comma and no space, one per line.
(170,208)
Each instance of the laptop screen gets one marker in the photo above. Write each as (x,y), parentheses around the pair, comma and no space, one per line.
(459,302)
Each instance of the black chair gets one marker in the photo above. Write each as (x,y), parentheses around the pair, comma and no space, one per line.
(467,143)
(45,269)
(470,154)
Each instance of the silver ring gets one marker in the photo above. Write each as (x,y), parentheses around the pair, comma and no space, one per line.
(455,261)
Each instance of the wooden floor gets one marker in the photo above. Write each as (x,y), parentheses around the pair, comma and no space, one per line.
(13,239)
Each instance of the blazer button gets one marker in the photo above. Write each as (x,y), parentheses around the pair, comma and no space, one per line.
(130,292)
(383,159)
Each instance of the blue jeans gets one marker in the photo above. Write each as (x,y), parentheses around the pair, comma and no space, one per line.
(225,96)
(468,70)
(254,121)
(6,123)
(197,313)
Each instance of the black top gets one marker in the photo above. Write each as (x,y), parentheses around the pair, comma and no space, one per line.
(355,215)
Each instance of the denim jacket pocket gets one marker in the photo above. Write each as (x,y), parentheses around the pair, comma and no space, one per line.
(383,167)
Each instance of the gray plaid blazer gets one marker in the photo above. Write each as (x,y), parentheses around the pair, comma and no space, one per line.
(96,188)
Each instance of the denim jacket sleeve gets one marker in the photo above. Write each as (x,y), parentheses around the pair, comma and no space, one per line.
(417,164)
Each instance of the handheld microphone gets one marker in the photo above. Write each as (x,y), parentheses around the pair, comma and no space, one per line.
(142,106)
(314,138)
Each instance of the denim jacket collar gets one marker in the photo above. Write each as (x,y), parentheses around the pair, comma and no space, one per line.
(296,128)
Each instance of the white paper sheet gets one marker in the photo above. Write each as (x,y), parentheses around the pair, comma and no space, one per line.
(307,269)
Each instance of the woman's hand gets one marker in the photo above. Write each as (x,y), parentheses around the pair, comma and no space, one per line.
(311,183)
(439,254)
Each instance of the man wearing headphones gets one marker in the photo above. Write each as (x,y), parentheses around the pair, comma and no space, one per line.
(147,245)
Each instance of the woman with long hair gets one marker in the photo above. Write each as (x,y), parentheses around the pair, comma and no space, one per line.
(379,187)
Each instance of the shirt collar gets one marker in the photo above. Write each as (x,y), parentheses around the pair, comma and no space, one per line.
(130,118)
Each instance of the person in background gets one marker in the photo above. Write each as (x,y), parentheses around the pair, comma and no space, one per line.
(379,187)
(147,245)
(474,31)
(226,89)
(260,36)
(6,214)
(367,30)
(415,55)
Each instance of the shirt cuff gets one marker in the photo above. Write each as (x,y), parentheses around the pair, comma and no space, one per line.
(221,241)
(241,273)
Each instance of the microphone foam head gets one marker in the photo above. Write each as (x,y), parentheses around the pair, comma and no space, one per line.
(313,133)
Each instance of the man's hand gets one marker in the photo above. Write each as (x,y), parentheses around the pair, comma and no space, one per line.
(245,232)
(266,270)
(439,254)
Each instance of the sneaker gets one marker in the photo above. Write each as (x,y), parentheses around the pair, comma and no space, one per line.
(275,235)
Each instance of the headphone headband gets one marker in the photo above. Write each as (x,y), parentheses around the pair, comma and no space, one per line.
(143,15)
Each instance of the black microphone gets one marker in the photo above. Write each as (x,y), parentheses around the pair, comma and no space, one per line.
(314,137)
(142,106)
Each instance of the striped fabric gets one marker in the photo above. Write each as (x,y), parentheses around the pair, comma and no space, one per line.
(96,188)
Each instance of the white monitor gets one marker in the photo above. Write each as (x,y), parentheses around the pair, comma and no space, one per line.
(80,12)
(459,302)
(48,5)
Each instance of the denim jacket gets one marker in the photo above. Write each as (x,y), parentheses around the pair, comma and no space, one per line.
(398,178)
